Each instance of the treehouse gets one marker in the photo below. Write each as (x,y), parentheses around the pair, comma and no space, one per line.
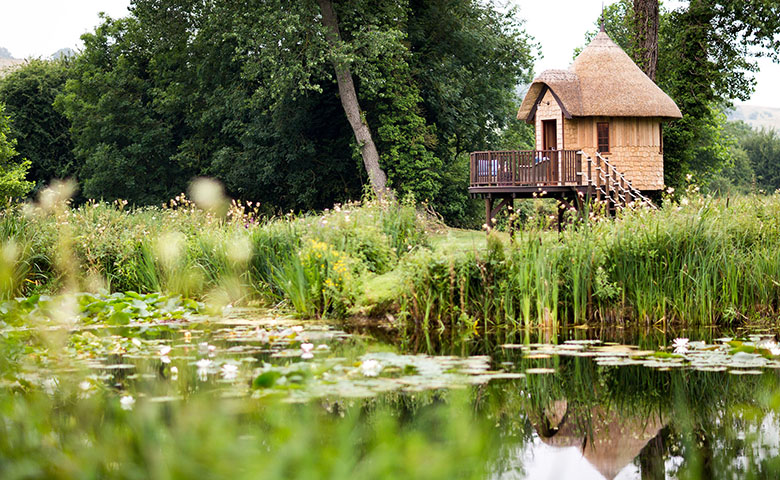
(599,132)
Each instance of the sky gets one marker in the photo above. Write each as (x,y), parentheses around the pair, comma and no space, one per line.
(38,28)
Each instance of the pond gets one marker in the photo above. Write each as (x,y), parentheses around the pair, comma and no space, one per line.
(575,403)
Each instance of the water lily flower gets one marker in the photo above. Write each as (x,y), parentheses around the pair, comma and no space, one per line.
(323,347)
(164,351)
(187,336)
(203,368)
(307,348)
(50,385)
(203,347)
(262,335)
(297,328)
(370,368)
(136,342)
(127,402)
(229,371)
(174,373)
(680,345)
(773,347)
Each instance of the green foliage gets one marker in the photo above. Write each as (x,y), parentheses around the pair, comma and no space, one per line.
(12,172)
(29,93)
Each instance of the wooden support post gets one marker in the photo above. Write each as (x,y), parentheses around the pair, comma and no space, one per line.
(598,178)
(488,211)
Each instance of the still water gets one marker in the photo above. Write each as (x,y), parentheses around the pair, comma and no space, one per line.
(572,403)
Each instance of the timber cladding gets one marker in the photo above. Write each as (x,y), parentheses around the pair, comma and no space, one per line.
(634,147)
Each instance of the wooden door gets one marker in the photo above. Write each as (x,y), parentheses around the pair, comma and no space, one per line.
(550,142)
(549,135)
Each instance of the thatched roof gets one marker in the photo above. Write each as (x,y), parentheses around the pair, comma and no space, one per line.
(602,81)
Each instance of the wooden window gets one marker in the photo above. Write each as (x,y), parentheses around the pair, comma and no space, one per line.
(602,136)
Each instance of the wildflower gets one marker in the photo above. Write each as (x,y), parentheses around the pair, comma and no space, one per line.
(680,345)
(370,368)
(306,349)
(127,402)
(229,371)
(670,190)
(684,201)
(689,177)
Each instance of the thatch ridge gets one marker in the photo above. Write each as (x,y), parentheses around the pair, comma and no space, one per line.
(602,81)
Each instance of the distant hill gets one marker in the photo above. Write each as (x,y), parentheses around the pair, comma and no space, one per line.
(757,117)
(63,53)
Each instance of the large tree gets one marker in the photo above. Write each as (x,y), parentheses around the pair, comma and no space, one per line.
(43,133)
(646,18)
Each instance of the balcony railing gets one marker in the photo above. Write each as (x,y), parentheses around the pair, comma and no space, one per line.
(519,168)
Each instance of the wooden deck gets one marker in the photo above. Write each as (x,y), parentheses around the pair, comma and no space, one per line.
(525,171)
(561,174)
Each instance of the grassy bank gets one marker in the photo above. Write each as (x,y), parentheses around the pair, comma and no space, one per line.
(703,261)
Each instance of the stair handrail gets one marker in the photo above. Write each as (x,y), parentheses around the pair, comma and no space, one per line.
(617,186)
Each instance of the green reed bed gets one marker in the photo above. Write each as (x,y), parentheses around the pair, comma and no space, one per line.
(704,261)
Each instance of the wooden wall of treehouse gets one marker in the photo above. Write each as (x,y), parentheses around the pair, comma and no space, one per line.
(635,144)
(635,147)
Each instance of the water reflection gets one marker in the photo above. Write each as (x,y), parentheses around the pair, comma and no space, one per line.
(592,422)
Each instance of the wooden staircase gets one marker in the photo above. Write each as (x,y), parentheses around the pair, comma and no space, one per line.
(607,183)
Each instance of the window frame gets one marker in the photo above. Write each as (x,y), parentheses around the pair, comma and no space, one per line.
(599,137)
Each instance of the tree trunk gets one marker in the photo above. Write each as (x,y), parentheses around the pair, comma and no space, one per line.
(646,39)
(349,101)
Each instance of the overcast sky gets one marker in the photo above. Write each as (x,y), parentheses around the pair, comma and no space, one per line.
(38,28)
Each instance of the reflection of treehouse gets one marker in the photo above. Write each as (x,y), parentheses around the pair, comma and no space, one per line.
(608,440)
(598,133)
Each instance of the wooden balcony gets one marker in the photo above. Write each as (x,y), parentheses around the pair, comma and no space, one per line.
(524,170)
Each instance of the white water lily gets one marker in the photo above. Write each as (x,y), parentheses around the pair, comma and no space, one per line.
(164,351)
(680,345)
(127,402)
(370,368)
(229,371)
(203,368)
(136,342)
(770,345)
(50,385)
(306,349)
(174,373)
